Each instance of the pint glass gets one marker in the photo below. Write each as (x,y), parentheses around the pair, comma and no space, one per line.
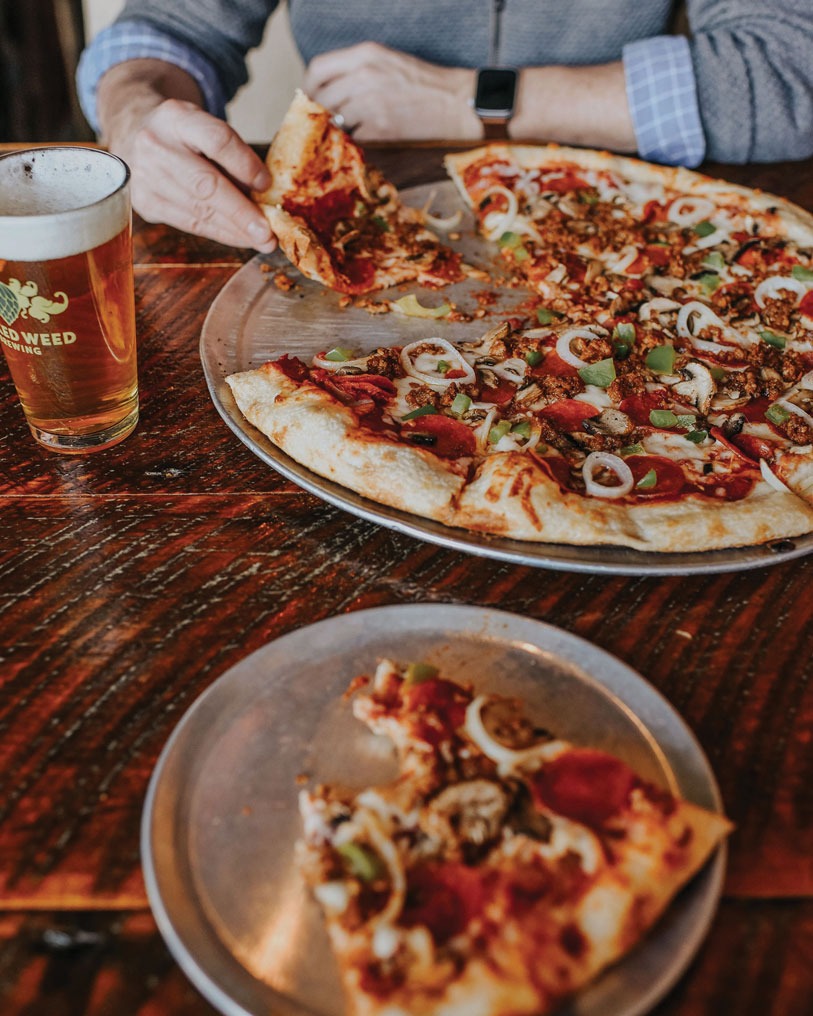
(67,316)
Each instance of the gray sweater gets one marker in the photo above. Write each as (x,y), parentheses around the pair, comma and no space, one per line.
(752,59)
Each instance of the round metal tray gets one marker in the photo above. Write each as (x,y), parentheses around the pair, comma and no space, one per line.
(252,321)
(221,817)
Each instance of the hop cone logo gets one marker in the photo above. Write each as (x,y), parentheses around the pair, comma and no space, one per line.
(9,304)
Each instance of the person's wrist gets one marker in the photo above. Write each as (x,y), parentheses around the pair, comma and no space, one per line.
(469,126)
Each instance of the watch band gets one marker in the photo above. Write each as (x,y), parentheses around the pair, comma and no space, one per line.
(494,130)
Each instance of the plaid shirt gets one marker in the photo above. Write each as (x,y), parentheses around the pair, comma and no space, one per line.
(659,79)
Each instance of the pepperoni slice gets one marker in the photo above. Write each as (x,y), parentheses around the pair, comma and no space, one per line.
(657,255)
(654,211)
(746,446)
(585,785)
(500,394)
(638,407)
(441,434)
(444,896)
(554,366)
(562,184)
(568,414)
(806,304)
(292,367)
(558,469)
(356,387)
(437,708)
(670,482)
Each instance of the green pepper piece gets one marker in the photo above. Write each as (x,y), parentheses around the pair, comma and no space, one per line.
(705,228)
(510,240)
(714,259)
(544,315)
(709,281)
(625,332)
(382,224)
(339,354)
(777,414)
(361,861)
(520,254)
(523,428)
(443,366)
(801,273)
(533,358)
(718,373)
(661,359)
(632,449)
(647,480)
(460,404)
(601,374)
(772,339)
(696,436)
(663,418)
(420,411)
(417,673)
(498,431)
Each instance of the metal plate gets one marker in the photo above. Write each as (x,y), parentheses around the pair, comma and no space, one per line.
(221,816)
(252,321)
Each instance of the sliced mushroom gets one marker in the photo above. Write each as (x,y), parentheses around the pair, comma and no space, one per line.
(483,345)
(471,812)
(698,386)
(772,382)
(610,421)
(733,425)
(526,819)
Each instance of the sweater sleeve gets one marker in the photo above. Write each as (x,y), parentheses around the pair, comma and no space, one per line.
(223,31)
(662,97)
(753,65)
(130,40)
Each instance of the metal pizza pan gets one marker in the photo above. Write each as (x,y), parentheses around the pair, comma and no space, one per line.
(221,819)
(253,320)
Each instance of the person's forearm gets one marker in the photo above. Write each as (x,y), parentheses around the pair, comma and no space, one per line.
(130,91)
(576,106)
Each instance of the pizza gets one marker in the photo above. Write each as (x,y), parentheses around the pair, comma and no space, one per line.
(502,870)
(337,218)
(654,390)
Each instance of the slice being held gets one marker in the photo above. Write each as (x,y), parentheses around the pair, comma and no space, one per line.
(337,219)
(502,870)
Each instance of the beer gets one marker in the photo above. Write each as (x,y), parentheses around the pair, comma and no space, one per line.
(67,316)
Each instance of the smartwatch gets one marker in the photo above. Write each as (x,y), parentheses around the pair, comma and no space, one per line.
(494,97)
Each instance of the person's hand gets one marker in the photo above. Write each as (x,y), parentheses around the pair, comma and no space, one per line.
(384,95)
(189,169)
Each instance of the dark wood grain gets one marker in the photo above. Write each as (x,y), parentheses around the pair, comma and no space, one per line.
(755,962)
(131,579)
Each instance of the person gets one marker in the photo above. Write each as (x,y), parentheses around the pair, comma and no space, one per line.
(601,73)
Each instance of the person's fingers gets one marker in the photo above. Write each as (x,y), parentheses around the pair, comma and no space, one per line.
(191,189)
(325,68)
(211,224)
(195,129)
(337,63)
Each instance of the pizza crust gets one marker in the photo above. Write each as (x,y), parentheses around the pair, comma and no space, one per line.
(321,433)
(509,495)
(512,496)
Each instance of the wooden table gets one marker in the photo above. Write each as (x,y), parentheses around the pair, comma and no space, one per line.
(131,579)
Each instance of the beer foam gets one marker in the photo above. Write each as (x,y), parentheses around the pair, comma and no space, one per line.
(55,202)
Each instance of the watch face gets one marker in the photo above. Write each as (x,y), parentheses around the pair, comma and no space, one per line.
(496,87)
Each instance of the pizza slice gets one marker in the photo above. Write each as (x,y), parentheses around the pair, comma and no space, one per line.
(336,217)
(502,870)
